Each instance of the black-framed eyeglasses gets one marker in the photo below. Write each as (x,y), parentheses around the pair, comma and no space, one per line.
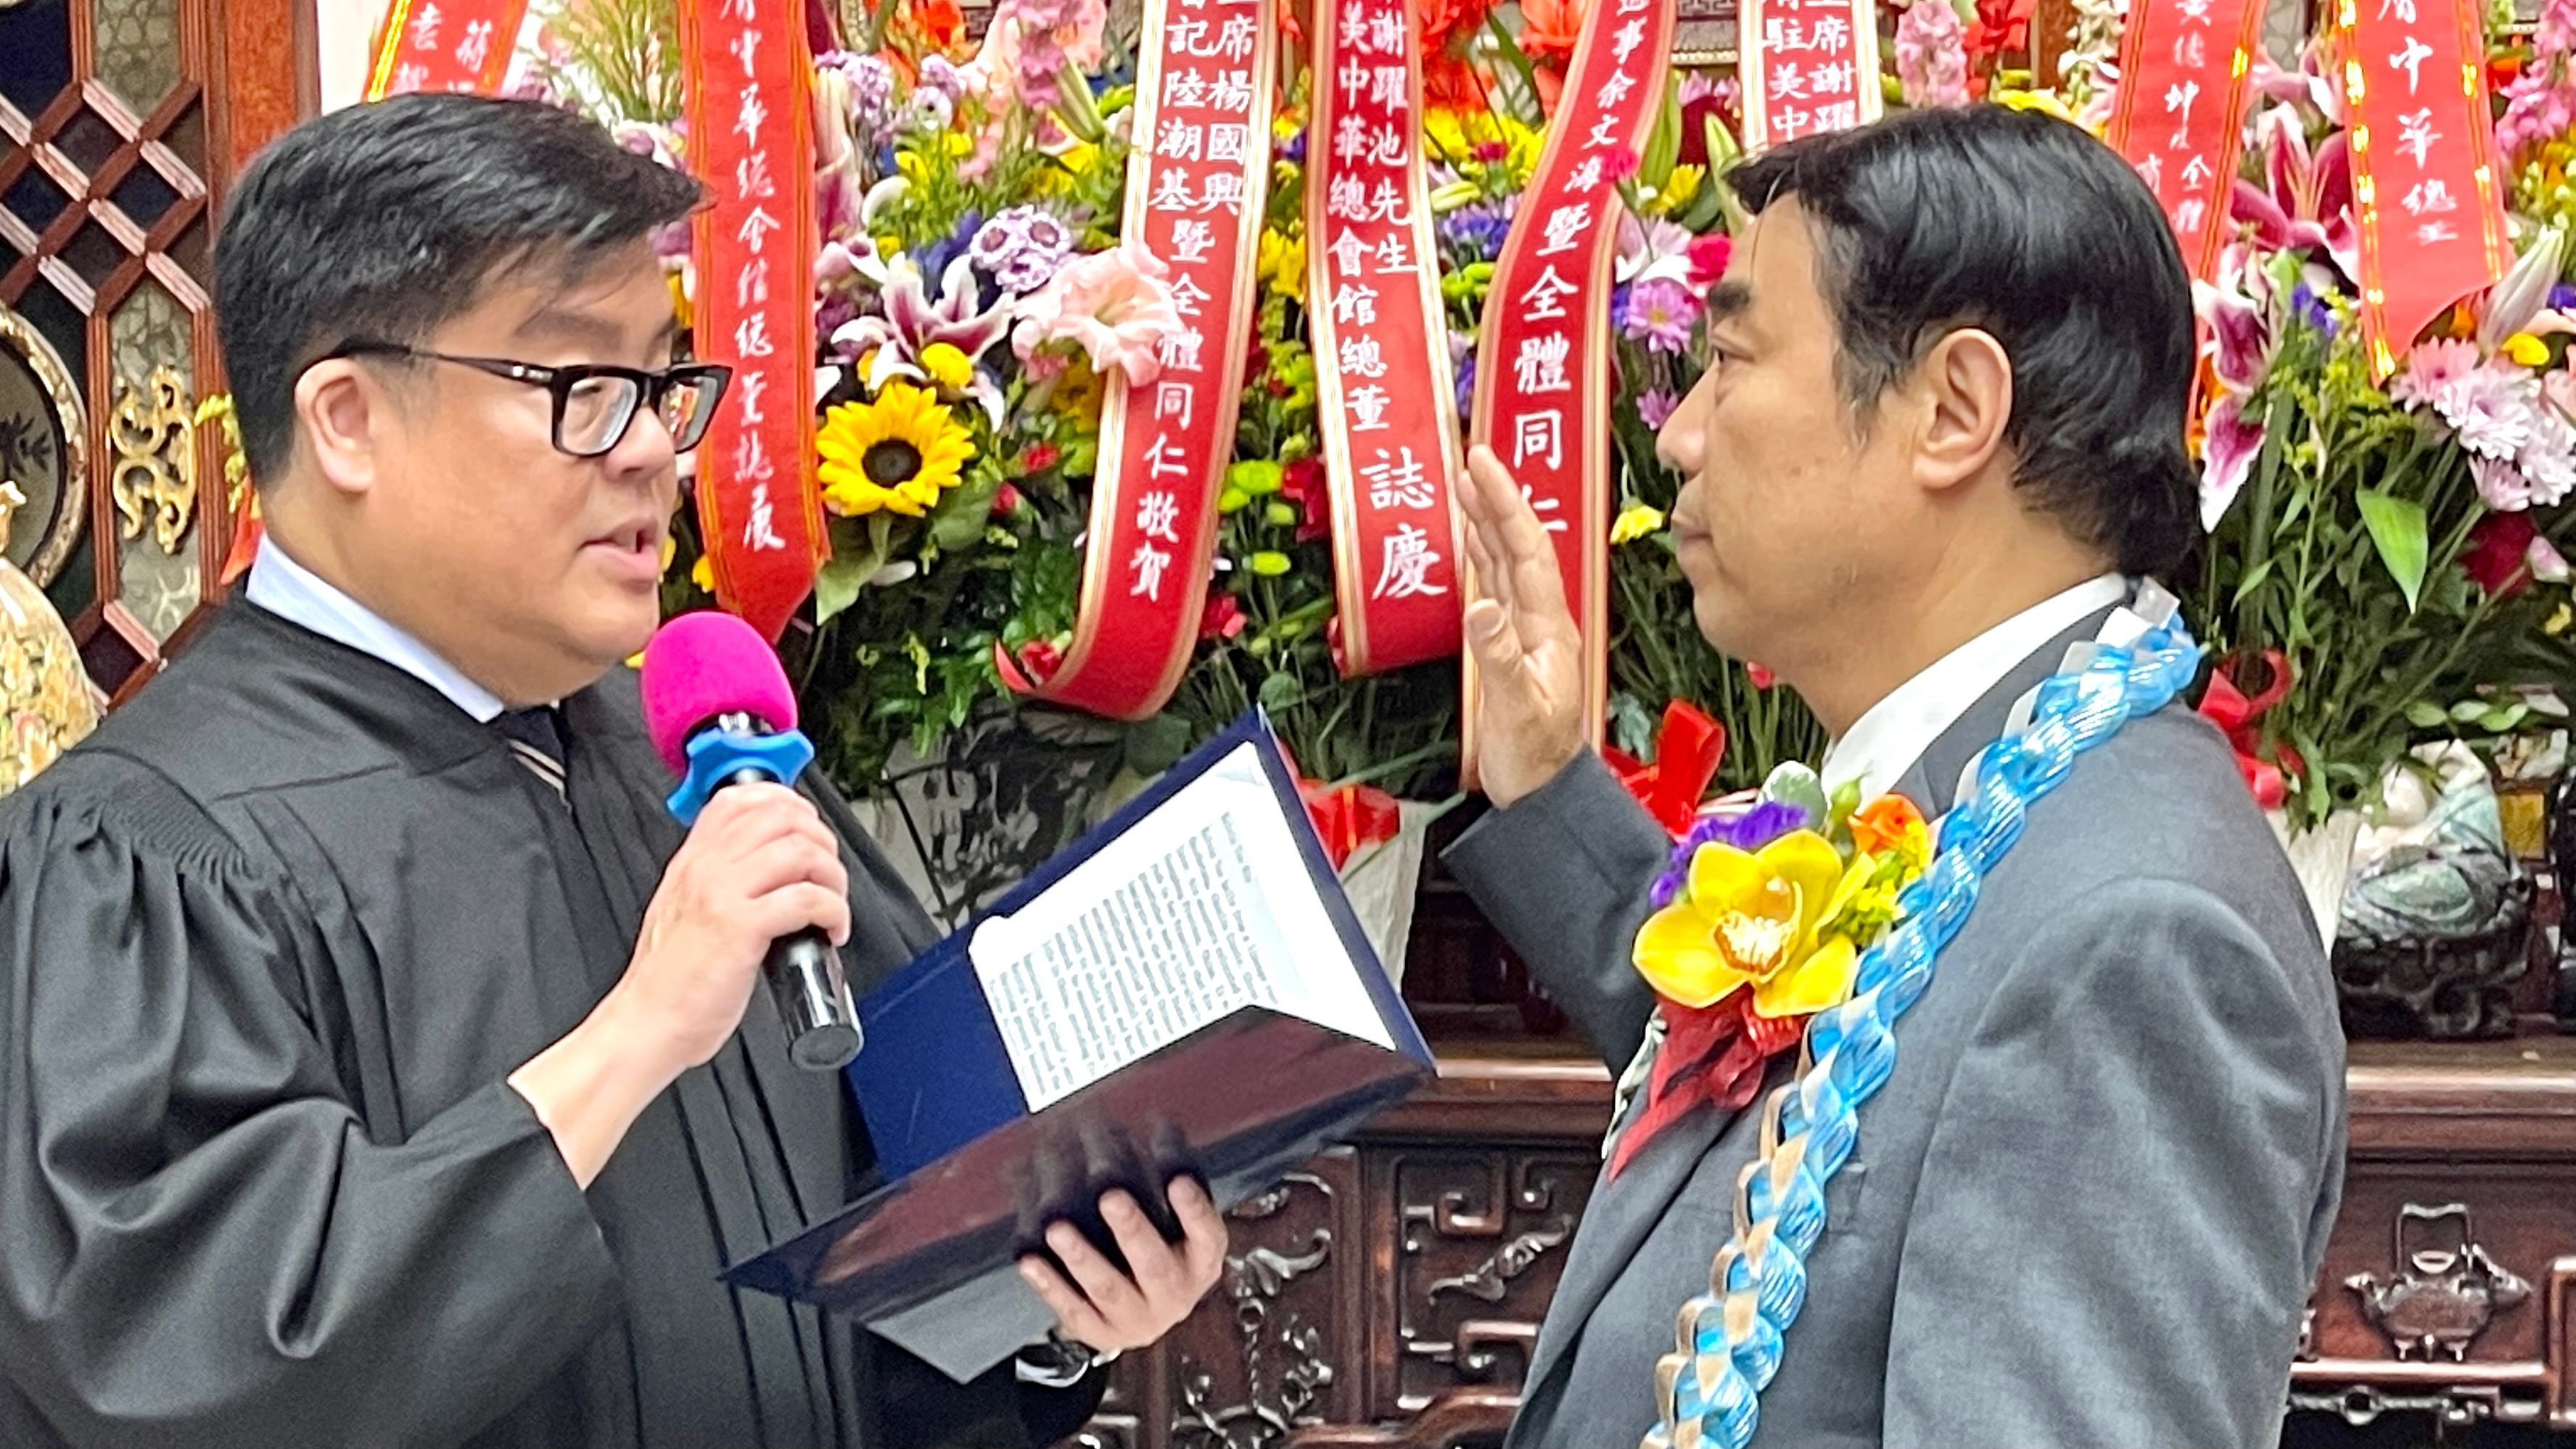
(594,403)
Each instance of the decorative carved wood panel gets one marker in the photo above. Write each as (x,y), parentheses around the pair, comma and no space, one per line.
(1389,1301)
(123,121)
(1480,1238)
(2445,1287)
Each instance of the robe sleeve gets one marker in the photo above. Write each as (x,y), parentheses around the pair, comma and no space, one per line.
(200,1240)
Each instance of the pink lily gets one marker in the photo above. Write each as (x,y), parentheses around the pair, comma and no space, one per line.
(2238,310)
(912,324)
(2309,84)
(2230,442)
(2309,202)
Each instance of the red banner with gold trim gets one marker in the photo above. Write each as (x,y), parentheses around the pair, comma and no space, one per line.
(1543,363)
(445,45)
(1197,186)
(760,513)
(2179,113)
(1388,413)
(1810,66)
(2423,164)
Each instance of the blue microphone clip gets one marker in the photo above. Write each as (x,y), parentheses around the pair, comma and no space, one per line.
(718,755)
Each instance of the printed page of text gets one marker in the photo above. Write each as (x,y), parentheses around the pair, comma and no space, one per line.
(1204,907)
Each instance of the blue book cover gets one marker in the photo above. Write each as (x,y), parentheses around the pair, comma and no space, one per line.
(1183,991)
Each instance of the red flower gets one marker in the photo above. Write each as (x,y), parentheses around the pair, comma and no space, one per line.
(1490,152)
(1041,457)
(1708,257)
(2000,25)
(1040,658)
(1449,83)
(2498,558)
(1303,485)
(1006,502)
(1224,618)
(1623,163)
(1762,678)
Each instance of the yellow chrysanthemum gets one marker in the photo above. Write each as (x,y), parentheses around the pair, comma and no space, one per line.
(1750,920)
(948,366)
(1282,263)
(898,453)
(1078,396)
(1634,522)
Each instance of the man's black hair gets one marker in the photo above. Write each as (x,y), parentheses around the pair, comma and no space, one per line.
(384,222)
(2033,231)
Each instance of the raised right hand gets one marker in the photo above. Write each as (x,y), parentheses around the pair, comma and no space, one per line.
(759,864)
(1529,657)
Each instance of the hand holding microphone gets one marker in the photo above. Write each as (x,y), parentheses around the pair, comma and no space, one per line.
(759,863)
(758,889)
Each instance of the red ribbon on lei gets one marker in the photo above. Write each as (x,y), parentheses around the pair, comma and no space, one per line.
(1712,1057)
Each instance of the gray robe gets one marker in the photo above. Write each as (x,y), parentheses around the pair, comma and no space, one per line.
(2087,1208)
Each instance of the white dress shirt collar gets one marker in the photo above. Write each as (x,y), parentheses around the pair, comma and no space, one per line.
(1883,745)
(298,595)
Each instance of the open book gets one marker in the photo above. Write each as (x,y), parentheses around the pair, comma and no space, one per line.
(1185,990)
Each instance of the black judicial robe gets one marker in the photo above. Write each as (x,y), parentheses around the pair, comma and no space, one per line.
(270,942)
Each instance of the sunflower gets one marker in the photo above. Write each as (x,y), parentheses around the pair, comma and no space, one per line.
(899,452)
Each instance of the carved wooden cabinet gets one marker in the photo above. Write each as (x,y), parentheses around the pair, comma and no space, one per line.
(1389,1294)
(2450,1282)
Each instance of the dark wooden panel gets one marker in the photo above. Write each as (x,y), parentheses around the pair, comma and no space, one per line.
(1388,1300)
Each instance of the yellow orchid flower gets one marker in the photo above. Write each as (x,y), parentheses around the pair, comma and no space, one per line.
(2526,349)
(1750,920)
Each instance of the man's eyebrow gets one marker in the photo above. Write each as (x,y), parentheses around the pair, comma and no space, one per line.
(1728,300)
(551,322)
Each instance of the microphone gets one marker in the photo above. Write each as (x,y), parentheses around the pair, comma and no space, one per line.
(720,711)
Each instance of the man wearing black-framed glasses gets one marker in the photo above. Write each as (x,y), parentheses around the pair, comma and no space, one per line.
(374,1066)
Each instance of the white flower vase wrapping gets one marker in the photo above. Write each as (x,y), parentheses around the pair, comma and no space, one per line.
(1381,881)
(2321,856)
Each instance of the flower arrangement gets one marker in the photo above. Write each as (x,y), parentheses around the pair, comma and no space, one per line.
(2380,551)
(973,292)
(2386,561)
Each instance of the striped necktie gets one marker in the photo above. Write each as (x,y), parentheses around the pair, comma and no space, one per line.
(536,738)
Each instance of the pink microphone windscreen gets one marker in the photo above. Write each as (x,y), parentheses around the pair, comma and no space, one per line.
(703,665)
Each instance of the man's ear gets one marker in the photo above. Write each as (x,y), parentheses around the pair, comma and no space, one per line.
(1966,383)
(343,413)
